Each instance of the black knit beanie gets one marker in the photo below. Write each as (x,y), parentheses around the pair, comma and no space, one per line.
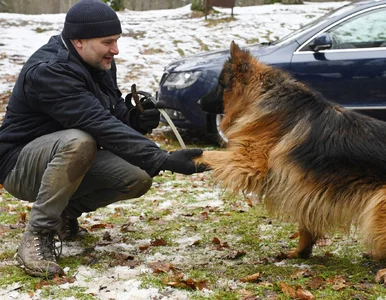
(91,19)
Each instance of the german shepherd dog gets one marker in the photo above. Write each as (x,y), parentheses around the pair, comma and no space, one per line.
(315,163)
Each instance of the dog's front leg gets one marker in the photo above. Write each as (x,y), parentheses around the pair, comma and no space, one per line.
(213,159)
(304,249)
(219,161)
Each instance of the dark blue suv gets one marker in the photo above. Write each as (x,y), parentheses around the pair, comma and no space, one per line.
(342,55)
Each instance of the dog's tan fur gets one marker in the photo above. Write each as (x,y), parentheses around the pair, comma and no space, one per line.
(257,160)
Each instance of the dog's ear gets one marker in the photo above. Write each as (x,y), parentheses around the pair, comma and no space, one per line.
(241,62)
(234,50)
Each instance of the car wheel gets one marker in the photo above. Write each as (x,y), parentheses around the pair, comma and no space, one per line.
(214,128)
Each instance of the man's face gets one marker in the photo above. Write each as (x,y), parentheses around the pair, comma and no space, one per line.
(98,52)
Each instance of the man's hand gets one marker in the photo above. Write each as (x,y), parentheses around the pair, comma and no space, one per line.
(149,118)
(144,121)
(180,161)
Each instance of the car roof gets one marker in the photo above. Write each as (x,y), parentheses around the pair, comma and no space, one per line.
(356,5)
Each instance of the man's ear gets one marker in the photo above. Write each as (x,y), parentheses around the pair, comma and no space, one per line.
(77,43)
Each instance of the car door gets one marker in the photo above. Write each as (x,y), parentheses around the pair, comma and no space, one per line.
(352,71)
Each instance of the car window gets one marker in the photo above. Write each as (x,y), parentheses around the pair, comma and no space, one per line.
(366,30)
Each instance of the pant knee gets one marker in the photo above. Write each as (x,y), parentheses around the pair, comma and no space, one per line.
(136,186)
(80,149)
(143,184)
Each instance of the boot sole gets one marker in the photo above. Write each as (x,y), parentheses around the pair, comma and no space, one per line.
(38,273)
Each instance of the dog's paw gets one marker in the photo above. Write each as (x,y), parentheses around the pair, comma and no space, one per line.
(381,276)
(293,253)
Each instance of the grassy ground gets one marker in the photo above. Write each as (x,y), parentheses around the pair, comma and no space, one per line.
(192,237)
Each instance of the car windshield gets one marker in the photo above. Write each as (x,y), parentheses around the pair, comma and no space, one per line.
(304,29)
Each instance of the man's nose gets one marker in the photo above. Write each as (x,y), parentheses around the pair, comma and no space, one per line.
(114,49)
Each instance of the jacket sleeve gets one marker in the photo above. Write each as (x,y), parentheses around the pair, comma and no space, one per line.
(121,112)
(63,93)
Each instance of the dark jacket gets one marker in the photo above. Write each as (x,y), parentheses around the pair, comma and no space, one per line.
(56,90)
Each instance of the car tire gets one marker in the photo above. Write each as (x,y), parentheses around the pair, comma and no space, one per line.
(214,129)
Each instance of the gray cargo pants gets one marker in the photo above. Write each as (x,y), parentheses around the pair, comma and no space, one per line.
(65,170)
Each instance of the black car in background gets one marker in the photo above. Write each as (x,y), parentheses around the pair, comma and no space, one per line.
(342,55)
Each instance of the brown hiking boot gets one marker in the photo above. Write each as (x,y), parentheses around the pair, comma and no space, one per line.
(70,229)
(37,254)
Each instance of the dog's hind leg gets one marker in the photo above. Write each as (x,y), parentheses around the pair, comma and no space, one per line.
(374,230)
(306,242)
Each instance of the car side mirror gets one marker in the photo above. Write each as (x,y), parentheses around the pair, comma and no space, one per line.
(322,42)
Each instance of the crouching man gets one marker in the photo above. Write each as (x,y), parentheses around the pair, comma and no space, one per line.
(69,143)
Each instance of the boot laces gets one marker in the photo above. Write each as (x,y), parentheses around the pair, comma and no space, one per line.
(48,246)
